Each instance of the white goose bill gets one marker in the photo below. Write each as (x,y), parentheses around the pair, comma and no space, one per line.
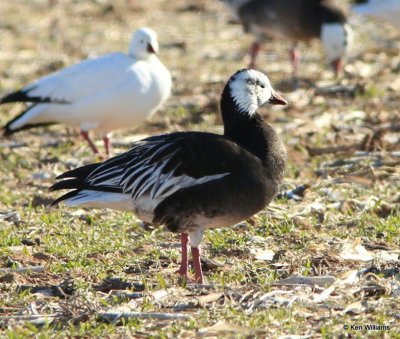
(276,99)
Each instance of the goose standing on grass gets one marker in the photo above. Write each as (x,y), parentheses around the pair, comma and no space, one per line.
(191,181)
(296,21)
(110,92)
(384,10)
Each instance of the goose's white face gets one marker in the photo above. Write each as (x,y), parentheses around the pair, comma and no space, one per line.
(144,43)
(250,89)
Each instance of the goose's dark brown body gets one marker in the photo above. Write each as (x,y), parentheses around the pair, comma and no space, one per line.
(295,20)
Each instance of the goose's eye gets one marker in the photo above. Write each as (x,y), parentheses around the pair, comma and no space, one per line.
(262,86)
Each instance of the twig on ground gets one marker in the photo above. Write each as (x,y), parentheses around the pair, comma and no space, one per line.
(26,269)
(111,316)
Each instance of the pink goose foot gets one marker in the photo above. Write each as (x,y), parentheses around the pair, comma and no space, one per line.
(183,270)
(85,135)
(107,146)
(254,50)
(198,272)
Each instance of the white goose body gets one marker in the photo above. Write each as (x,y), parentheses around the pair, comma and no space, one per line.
(107,93)
(110,92)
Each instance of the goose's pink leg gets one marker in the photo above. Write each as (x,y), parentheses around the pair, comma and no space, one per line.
(183,270)
(107,146)
(295,59)
(85,135)
(198,273)
(254,50)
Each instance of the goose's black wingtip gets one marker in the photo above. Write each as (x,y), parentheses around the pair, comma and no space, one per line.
(23,96)
(17,96)
(66,175)
(63,176)
(64,197)
(7,131)
(80,172)
(67,184)
(53,187)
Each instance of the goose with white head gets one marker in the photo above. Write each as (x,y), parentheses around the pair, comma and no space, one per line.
(296,21)
(104,94)
(191,181)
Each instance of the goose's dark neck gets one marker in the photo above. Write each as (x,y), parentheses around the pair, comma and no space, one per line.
(315,14)
(253,134)
(331,15)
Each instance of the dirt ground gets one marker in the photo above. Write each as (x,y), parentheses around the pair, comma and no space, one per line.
(321,261)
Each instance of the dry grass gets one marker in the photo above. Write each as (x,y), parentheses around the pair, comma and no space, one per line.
(341,234)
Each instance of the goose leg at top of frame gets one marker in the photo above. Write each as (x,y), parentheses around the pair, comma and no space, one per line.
(253,53)
(294,55)
(107,146)
(85,135)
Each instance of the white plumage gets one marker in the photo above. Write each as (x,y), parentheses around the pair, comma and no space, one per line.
(110,92)
(385,10)
(337,39)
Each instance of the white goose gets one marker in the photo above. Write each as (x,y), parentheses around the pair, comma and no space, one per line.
(110,92)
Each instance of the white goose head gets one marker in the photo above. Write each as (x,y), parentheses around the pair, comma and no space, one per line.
(250,89)
(144,43)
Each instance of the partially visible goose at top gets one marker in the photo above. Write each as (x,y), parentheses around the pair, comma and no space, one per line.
(191,181)
(234,5)
(385,10)
(110,92)
(296,21)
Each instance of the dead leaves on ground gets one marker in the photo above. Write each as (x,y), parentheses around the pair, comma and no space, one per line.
(320,246)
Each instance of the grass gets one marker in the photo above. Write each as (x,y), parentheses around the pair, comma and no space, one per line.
(353,198)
